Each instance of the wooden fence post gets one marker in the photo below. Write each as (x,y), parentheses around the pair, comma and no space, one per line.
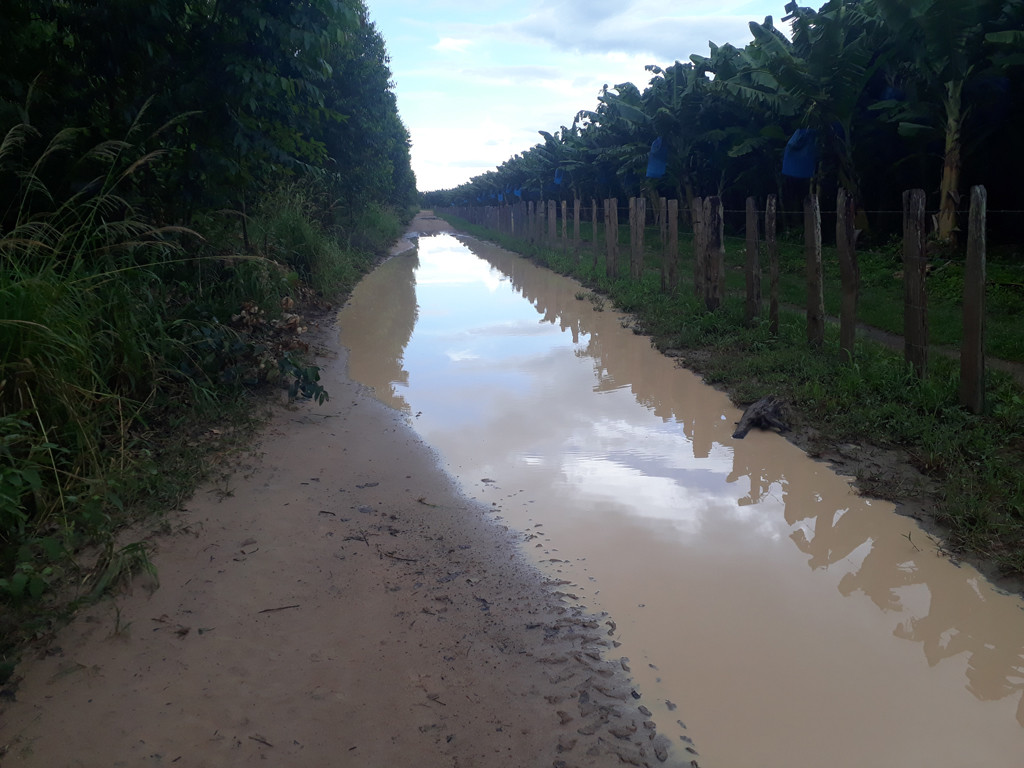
(663,218)
(753,263)
(849,273)
(714,237)
(613,237)
(632,236)
(606,217)
(641,230)
(915,303)
(638,218)
(608,238)
(663,239)
(565,226)
(815,283)
(972,352)
(552,223)
(773,265)
(699,245)
(595,244)
(576,228)
(670,257)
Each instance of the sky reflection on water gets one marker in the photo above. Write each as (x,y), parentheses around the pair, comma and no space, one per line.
(774,602)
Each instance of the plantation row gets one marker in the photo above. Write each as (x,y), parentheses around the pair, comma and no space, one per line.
(874,96)
(180,185)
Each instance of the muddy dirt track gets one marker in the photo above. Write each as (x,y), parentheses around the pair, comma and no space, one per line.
(335,602)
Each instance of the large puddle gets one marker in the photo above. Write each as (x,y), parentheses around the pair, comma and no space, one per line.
(769,613)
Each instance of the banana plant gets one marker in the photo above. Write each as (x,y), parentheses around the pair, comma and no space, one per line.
(942,42)
(735,129)
(626,132)
(820,76)
(673,100)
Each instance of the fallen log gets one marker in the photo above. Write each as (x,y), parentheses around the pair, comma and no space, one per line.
(767,413)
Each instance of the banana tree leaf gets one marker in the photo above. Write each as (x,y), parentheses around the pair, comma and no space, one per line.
(915,129)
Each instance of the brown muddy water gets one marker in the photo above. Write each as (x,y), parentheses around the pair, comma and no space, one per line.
(770,614)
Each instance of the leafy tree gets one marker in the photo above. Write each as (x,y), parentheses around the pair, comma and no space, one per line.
(368,146)
(270,90)
(941,43)
(821,76)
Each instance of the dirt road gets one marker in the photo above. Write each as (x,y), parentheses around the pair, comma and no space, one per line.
(335,603)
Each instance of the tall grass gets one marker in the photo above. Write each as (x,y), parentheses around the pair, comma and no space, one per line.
(83,344)
(120,340)
(329,248)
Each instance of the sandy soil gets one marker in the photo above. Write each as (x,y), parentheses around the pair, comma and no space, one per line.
(336,602)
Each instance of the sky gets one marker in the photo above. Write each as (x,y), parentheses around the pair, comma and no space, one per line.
(476,80)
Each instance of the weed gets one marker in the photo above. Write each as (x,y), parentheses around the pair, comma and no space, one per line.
(305,381)
(27,582)
(120,340)
(118,565)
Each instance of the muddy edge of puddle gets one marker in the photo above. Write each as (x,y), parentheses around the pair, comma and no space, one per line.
(340,597)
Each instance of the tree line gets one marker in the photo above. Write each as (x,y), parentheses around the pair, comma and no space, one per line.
(246,94)
(874,96)
(180,182)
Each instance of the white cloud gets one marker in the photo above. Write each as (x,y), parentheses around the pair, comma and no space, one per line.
(452,44)
(535,65)
(514,74)
(645,27)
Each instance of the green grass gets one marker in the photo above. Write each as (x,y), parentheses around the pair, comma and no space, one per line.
(881,285)
(881,292)
(327,249)
(974,461)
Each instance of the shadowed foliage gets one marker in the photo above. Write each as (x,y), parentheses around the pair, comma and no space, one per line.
(180,183)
